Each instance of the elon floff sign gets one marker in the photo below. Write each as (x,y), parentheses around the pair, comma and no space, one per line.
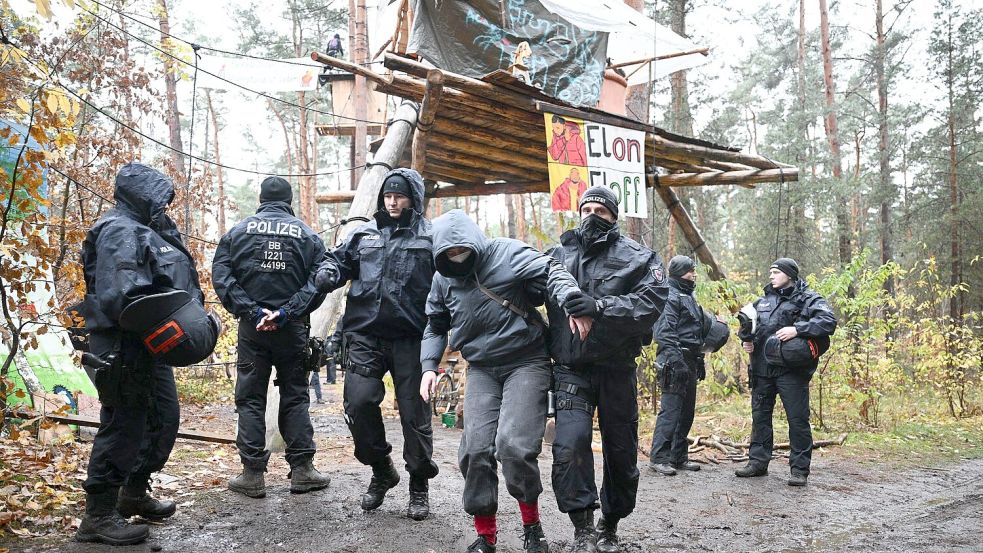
(581,154)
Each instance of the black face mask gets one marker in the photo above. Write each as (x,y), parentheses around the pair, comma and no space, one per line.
(684,285)
(450,269)
(593,227)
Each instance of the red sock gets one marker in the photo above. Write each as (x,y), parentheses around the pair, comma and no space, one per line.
(530,513)
(486,527)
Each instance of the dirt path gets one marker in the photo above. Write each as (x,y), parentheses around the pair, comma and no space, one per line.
(847,506)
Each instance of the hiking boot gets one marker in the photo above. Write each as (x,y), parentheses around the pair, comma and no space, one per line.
(534,539)
(102,523)
(798,479)
(752,469)
(607,536)
(687,465)
(251,483)
(481,545)
(135,501)
(663,469)
(584,533)
(305,478)
(419,507)
(384,478)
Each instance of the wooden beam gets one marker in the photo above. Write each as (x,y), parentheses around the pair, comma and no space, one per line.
(458,190)
(480,168)
(594,117)
(428,113)
(728,178)
(692,234)
(503,141)
(335,197)
(515,159)
(347,130)
(704,51)
(699,153)
(93,422)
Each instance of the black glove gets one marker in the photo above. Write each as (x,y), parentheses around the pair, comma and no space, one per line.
(701,368)
(680,378)
(536,290)
(580,304)
(327,278)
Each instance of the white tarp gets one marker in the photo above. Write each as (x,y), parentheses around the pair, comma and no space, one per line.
(633,36)
(264,76)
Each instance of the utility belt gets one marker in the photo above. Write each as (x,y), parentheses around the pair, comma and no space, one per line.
(121,383)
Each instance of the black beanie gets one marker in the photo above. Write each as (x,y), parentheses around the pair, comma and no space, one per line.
(275,189)
(602,195)
(680,265)
(788,266)
(397,183)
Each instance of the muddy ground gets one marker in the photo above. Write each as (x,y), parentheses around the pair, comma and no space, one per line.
(847,506)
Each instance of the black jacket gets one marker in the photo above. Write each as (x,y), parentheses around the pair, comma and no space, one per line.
(390,266)
(629,280)
(797,306)
(134,249)
(681,325)
(268,260)
(487,333)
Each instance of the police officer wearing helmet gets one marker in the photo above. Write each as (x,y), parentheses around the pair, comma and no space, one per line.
(263,272)
(789,314)
(132,253)
(624,291)
(681,334)
(390,265)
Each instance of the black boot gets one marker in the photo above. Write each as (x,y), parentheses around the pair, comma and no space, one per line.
(534,539)
(663,469)
(384,478)
(751,470)
(305,478)
(607,535)
(584,536)
(134,500)
(481,545)
(687,465)
(251,483)
(419,507)
(102,523)
(798,479)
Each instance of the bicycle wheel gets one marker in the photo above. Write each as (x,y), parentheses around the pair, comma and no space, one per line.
(443,397)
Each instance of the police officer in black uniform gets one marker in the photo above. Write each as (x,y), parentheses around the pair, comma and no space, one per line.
(680,362)
(390,265)
(625,289)
(132,252)
(789,311)
(263,272)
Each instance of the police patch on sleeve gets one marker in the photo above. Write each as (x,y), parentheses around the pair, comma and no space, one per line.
(659,273)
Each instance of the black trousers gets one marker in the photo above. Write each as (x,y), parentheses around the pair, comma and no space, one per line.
(135,438)
(676,410)
(612,391)
(369,358)
(258,353)
(793,387)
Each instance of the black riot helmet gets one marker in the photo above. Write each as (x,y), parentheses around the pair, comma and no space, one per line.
(797,353)
(715,334)
(174,328)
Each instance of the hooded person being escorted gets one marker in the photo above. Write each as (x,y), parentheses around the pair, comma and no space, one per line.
(682,334)
(132,257)
(484,295)
(263,273)
(785,332)
(624,291)
(389,263)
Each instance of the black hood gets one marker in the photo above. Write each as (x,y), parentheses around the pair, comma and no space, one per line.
(417,188)
(456,229)
(143,192)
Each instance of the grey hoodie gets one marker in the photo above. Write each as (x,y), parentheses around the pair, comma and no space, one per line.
(487,333)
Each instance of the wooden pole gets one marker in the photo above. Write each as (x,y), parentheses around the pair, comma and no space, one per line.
(428,113)
(704,51)
(726,178)
(398,135)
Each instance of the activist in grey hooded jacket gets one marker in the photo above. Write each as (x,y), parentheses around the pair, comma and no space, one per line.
(486,332)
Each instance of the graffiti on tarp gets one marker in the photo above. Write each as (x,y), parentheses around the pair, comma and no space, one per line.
(472,38)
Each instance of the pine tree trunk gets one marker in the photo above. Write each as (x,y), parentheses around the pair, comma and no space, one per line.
(218,161)
(955,277)
(888,190)
(510,213)
(522,229)
(682,118)
(172,114)
(832,136)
